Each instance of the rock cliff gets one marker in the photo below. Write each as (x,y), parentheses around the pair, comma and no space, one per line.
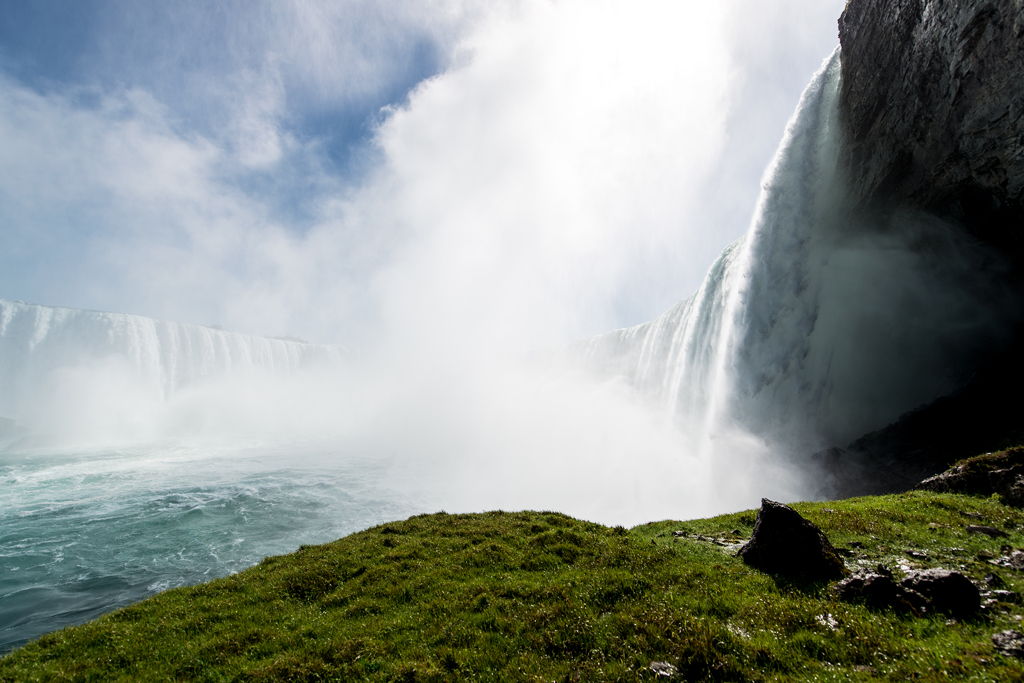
(932,104)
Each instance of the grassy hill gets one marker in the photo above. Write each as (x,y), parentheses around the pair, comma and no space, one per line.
(539,596)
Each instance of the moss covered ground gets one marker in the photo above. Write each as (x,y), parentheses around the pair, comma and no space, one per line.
(539,596)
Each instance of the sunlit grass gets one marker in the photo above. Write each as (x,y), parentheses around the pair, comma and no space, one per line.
(532,596)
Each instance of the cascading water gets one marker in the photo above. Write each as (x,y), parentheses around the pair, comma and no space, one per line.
(52,354)
(821,323)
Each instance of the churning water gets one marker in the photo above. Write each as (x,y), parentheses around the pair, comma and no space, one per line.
(88,530)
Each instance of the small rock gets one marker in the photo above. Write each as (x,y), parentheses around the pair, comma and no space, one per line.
(994,581)
(1004,596)
(1010,643)
(785,543)
(1012,560)
(663,669)
(918,554)
(987,530)
(881,592)
(947,591)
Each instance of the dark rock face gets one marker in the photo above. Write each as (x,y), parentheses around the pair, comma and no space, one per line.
(785,543)
(933,110)
(947,591)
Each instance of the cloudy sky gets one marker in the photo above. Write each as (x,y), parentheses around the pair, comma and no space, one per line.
(524,172)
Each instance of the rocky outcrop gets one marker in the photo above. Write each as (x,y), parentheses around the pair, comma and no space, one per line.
(785,543)
(1001,473)
(933,110)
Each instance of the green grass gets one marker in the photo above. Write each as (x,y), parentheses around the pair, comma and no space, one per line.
(538,596)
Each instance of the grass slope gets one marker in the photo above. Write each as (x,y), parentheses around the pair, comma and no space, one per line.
(533,596)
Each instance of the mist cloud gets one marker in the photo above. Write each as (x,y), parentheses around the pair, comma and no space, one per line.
(561,169)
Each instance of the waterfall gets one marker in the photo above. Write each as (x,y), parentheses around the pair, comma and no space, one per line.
(39,344)
(822,322)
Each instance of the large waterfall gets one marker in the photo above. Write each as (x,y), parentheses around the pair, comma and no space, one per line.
(44,350)
(822,322)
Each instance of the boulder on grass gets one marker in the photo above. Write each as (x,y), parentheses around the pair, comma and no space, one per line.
(785,543)
(947,591)
(881,592)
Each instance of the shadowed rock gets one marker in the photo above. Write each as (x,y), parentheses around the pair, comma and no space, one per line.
(881,592)
(785,543)
(947,591)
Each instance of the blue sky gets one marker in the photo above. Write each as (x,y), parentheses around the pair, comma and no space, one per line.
(518,173)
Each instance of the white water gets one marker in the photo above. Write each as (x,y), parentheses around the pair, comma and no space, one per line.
(64,370)
(819,325)
(162,453)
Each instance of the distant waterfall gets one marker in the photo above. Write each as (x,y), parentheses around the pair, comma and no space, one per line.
(821,323)
(37,341)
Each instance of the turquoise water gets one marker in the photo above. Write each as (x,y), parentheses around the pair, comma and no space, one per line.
(84,531)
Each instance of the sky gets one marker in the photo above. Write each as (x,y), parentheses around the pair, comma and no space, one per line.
(514,173)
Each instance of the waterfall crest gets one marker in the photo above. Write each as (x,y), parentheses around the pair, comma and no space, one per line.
(38,342)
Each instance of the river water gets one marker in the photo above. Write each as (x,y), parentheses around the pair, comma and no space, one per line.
(85,531)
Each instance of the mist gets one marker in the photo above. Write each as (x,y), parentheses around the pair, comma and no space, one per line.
(441,190)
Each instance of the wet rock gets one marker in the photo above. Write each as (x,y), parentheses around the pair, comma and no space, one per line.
(881,592)
(662,669)
(1010,643)
(785,543)
(1012,560)
(947,591)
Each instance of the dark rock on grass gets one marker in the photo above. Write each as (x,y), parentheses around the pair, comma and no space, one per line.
(990,531)
(1010,643)
(785,543)
(1001,472)
(881,592)
(947,591)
